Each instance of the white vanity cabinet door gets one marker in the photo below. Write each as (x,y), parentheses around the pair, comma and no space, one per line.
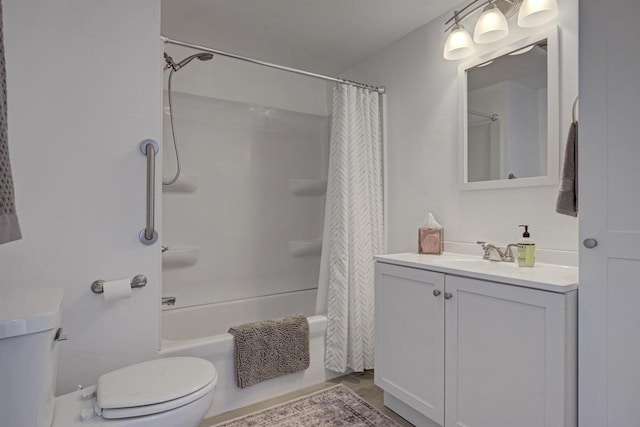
(409,354)
(509,356)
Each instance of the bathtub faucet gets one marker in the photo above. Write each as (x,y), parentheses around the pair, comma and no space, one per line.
(168,300)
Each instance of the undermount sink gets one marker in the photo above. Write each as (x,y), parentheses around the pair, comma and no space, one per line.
(474,263)
(471,262)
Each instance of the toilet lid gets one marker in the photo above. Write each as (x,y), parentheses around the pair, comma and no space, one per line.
(157,385)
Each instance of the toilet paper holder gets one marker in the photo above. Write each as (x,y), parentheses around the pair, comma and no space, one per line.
(138,281)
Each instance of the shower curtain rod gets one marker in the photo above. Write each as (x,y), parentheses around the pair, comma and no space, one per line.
(165,39)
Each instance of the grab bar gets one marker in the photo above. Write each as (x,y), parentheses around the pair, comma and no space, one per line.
(150,148)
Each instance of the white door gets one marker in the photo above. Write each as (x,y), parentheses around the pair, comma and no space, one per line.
(506,356)
(609,299)
(85,87)
(409,359)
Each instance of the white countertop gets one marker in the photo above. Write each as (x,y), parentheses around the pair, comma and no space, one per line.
(547,277)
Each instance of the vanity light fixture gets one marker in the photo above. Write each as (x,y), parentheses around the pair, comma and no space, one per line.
(459,43)
(492,24)
(537,12)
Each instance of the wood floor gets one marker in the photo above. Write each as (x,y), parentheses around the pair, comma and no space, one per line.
(361,383)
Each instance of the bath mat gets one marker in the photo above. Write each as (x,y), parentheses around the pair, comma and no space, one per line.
(331,407)
(270,349)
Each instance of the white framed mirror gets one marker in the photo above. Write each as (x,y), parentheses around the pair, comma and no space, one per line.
(508,122)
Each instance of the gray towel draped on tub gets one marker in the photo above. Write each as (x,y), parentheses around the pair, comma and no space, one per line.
(270,349)
(9,228)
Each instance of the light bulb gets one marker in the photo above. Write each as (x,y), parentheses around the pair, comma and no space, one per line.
(459,44)
(537,12)
(491,26)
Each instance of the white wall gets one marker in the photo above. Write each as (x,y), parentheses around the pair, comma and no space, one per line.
(85,87)
(422,140)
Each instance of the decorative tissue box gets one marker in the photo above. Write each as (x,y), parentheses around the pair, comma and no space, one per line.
(430,241)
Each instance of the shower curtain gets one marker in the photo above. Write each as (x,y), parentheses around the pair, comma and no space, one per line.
(353,230)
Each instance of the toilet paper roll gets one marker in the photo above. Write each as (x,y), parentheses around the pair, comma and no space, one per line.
(115,290)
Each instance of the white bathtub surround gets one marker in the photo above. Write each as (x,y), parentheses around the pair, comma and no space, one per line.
(353,230)
(236,207)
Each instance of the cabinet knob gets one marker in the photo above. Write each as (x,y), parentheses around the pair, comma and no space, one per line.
(447,295)
(590,243)
(436,293)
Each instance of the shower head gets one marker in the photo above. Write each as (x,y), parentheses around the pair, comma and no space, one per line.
(170,63)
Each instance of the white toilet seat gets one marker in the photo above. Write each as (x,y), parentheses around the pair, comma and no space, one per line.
(154,386)
(138,411)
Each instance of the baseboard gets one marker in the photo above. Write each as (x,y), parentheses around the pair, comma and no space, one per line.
(407,412)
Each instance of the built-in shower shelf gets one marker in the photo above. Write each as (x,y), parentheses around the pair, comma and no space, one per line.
(308,187)
(180,257)
(186,183)
(300,248)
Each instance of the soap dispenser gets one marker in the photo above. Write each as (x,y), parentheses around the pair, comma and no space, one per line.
(526,249)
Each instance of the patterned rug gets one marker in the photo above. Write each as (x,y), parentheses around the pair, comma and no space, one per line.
(331,407)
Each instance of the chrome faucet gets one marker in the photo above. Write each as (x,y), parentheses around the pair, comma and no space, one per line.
(494,253)
(168,300)
(508,252)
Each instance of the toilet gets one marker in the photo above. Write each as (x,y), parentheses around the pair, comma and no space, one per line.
(167,392)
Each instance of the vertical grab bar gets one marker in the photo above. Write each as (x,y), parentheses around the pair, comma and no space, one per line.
(150,148)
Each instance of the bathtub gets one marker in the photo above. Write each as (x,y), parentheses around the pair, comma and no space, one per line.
(201,332)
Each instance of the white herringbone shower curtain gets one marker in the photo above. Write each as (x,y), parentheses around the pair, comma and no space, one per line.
(353,230)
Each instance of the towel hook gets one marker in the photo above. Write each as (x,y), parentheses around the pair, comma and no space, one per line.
(575,106)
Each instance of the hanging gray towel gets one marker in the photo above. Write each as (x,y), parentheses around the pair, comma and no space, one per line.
(270,349)
(567,202)
(9,227)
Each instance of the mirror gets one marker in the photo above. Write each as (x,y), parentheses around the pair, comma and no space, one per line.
(509,116)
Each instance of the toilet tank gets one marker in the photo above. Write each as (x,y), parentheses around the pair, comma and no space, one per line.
(29,324)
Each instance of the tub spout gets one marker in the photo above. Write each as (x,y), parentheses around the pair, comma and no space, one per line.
(168,300)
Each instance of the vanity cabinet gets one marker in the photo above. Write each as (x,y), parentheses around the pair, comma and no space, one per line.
(460,351)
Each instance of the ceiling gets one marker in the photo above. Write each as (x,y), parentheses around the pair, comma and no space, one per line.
(324,36)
